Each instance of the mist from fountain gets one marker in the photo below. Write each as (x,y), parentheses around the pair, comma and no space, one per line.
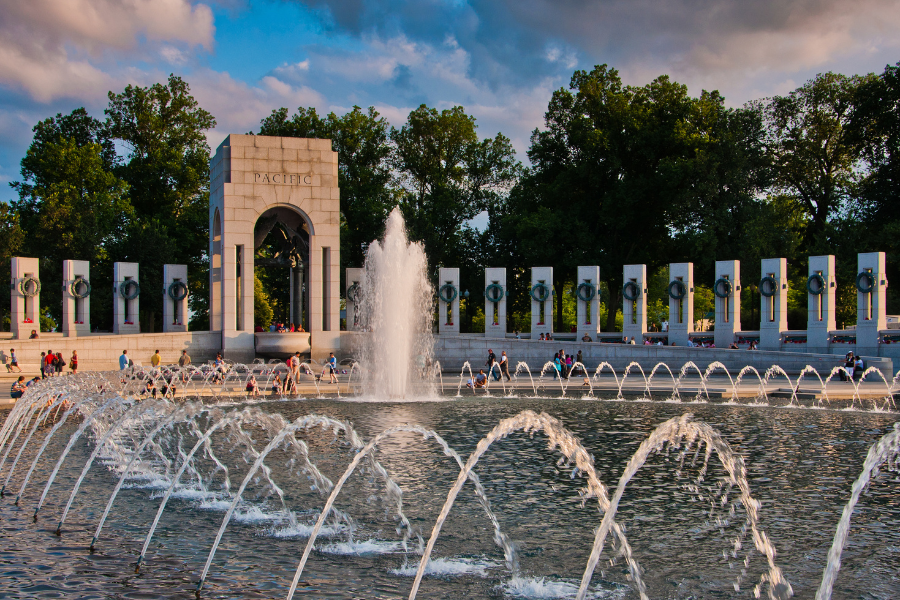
(395,310)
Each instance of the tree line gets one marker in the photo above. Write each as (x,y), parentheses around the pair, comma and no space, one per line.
(617,175)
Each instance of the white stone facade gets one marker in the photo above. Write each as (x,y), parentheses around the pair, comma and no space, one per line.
(126,311)
(26,297)
(76,310)
(772,309)
(250,175)
(541,312)
(175,310)
(588,313)
(871,316)
(728,309)
(448,312)
(634,312)
(821,307)
(495,312)
(681,311)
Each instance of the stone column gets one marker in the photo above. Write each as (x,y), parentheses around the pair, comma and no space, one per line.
(25,292)
(588,310)
(727,290)
(773,303)
(634,311)
(495,312)
(76,298)
(126,315)
(681,310)
(448,312)
(175,302)
(821,319)
(541,312)
(353,281)
(871,290)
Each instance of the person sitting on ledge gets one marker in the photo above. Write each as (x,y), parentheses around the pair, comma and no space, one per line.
(18,388)
(480,379)
(252,386)
(34,335)
(586,338)
(733,346)
(542,337)
(259,329)
(647,341)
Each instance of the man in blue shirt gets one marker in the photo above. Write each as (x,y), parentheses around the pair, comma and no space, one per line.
(332,364)
(123,360)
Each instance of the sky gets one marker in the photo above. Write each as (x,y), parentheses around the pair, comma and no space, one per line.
(500,59)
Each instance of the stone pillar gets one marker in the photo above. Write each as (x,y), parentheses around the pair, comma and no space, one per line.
(588,310)
(495,312)
(820,305)
(353,282)
(175,302)
(773,303)
(541,311)
(681,310)
(76,298)
(871,289)
(25,291)
(634,311)
(126,315)
(727,290)
(448,312)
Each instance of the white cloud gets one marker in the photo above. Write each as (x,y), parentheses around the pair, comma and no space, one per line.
(239,107)
(173,55)
(68,48)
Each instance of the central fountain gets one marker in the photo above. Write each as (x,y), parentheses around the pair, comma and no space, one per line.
(395,310)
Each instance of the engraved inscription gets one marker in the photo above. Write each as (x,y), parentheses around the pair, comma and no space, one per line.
(282,178)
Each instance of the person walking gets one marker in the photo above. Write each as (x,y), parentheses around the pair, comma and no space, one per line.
(123,360)
(504,365)
(489,363)
(331,363)
(14,360)
(73,362)
(48,363)
(848,367)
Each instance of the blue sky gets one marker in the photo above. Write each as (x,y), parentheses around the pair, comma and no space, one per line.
(500,59)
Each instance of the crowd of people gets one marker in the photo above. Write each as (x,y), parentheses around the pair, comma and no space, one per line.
(277,327)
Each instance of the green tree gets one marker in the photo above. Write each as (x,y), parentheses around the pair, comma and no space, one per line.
(816,156)
(12,239)
(167,168)
(262,310)
(448,176)
(875,126)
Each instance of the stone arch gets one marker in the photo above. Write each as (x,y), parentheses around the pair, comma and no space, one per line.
(253,178)
(293,253)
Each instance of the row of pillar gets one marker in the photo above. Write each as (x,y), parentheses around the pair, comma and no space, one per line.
(25,290)
(773,285)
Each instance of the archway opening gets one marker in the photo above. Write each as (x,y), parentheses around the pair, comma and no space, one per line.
(281,239)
